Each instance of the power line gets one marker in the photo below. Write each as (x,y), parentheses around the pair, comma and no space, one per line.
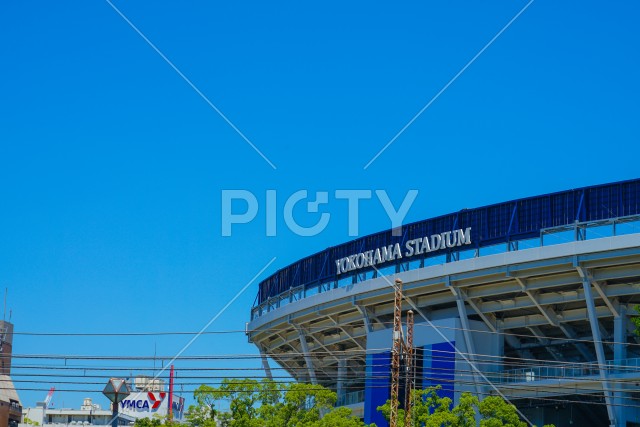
(512,396)
(502,361)
(311,329)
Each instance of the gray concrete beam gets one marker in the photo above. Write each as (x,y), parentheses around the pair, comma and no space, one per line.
(545,341)
(597,341)
(466,333)
(586,274)
(265,364)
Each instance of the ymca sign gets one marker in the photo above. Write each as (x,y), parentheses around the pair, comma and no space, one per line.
(151,402)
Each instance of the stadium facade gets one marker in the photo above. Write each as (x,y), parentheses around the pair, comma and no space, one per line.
(530,299)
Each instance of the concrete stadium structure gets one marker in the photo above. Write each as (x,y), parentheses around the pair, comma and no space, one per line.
(530,299)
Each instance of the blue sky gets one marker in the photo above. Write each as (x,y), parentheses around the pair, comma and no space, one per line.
(112,166)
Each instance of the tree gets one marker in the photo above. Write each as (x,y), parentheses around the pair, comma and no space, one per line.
(148,422)
(431,410)
(269,404)
(201,416)
(496,412)
(339,417)
(244,395)
(203,413)
(636,320)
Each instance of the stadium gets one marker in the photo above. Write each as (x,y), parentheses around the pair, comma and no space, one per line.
(531,299)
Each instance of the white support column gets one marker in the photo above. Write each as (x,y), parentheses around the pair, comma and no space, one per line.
(488,318)
(468,339)
(586,274)
(342,373)
(265,364)
(619,354)
(620,335)
(307,356)
(597,341)
(368,326)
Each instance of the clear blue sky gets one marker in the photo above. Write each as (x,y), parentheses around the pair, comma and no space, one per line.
(112,167)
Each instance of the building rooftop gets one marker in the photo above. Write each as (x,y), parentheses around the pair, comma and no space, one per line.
(7,389)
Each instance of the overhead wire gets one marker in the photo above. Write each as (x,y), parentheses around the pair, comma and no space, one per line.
(321,329)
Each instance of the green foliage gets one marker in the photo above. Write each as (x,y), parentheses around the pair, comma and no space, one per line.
(156,421)
(268,404)
(203,413)
(30,422)
(148,422)
(431,410)
(636,320)
(201,416)
(339,417)
(496,412)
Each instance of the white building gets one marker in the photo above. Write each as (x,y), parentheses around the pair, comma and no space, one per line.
(88,414)
(147,400)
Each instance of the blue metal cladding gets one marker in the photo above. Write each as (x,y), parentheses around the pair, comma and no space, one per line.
(377,387)
(440,368)
(490,225)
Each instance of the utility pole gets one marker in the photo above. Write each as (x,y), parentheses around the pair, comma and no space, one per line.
(400,349)
(396,349)
(171,375)
(411,370)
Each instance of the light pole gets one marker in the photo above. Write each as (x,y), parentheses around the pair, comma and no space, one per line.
(116,390)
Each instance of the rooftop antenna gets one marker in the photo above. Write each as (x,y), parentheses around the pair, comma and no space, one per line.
(5,328)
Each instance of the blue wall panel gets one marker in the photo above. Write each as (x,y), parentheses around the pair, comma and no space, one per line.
(440,368)
(377,387)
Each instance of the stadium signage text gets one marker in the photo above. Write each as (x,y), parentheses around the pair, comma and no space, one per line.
(373,257)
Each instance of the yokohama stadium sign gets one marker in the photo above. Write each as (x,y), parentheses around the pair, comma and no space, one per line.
(419,246)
